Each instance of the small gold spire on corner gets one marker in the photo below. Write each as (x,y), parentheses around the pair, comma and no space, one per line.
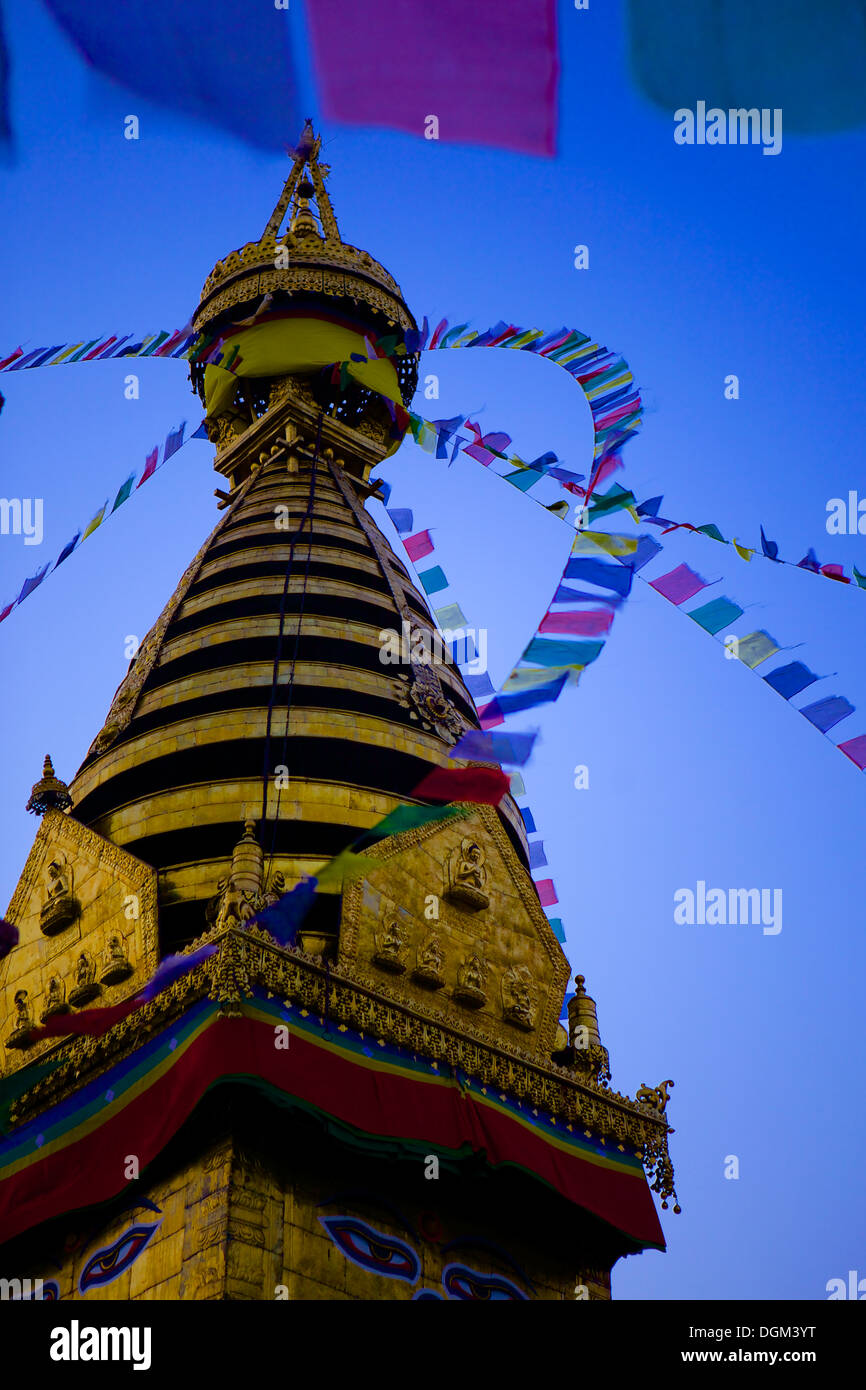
(49,792)
(582,1014)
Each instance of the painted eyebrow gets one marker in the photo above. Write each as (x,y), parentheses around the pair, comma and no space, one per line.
(477,1243)
(144,1204)
(384,1208)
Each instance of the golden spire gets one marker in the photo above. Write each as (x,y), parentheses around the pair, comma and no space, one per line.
(582,1015)
(49,791)
(298,191)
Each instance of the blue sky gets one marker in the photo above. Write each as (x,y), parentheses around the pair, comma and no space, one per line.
(704,261)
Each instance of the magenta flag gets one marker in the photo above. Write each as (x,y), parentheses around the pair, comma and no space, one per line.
(418,546)
(149,467)
(591,624)
(487,72)
(855,749)
(546,892)
(680,584)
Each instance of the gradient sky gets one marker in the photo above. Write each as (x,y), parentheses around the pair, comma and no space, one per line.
(703,262)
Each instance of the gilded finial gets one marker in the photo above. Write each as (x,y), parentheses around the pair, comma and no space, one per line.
(582,1017)
(49,792)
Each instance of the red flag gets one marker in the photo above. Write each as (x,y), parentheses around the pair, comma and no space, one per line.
(19,352)
(97,350)
(89,1023)
(437,333)
(484,785)
(149,467)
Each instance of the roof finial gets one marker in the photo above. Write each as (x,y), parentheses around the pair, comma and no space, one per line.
(297,191)
(49,792)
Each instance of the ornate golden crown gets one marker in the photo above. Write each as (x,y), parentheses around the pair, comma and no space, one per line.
(303,259)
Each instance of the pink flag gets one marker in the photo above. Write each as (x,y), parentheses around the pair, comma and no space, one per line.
(590,624)
(418,546)
(437,333)
(149,467)
(4,612)
(489,716)
(680,584)
(488,70)
(97,350)
(835,572)
(546,892)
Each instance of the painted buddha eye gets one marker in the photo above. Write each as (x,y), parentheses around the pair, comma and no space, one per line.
(461,1282)
(109,1263)
(372,1249)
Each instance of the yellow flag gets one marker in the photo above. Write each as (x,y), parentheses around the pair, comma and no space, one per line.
(590,542)
(345,866)
(526,679)
(97,521)
(742,550)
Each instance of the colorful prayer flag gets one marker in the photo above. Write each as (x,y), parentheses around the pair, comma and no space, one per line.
(67,549)
(680,584)
(402,518)
(579,624)
(755,648)
(770,548)
(97,521)
(825,713)
(790,680)
(418,546)
(400,819)
(527,698)
(647,549)
(616,577)
(123,492)
(718,613)
(478,686)
(149,466)
(483,785)
(342,869)
(546,892)
(549,653)
(433,580)
(30,584)
(283,918)
(451,58)
(173,441)
(558,930)
(512,749)
(855,749)
(537,857)
(517,785)
(450,617)
(163,53)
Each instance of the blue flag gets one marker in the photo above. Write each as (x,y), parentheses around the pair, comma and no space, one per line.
(616,577)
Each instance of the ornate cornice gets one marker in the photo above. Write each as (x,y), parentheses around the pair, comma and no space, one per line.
(249,959)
